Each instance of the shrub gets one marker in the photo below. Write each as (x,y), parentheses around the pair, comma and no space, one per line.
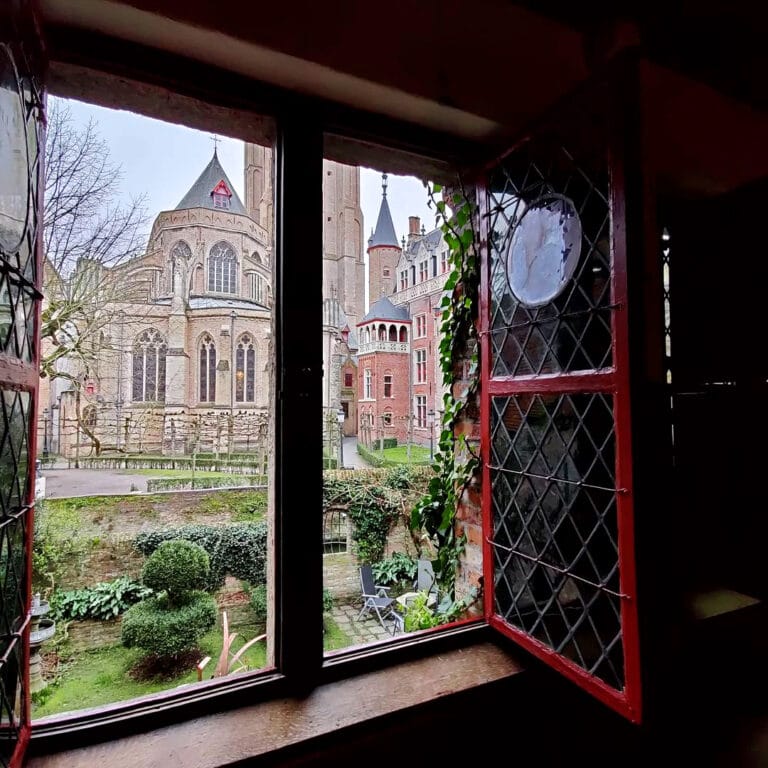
(398,567)
(401,476)
(327,601)
(238,549)
(176,567)
(159,627)
(258,596)
(103,601)
(418,615)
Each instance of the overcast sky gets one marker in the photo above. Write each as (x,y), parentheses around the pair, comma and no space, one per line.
(162,160)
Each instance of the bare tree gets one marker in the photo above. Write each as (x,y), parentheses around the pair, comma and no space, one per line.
(88,231)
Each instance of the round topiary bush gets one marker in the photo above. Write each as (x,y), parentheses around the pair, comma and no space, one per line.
(176,567)
(156,626)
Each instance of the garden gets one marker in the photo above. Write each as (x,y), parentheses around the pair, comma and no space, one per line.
(139,585)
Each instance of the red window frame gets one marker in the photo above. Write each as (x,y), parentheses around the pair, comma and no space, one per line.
(613,381)
(22,46)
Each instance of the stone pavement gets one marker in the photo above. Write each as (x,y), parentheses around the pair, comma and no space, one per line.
(86,482)
(352,459)
(365,630)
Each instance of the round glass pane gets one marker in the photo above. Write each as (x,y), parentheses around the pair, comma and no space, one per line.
(14,162)
(544,250)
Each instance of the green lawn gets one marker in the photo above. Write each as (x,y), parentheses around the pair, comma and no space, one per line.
(399,454)
(102,677)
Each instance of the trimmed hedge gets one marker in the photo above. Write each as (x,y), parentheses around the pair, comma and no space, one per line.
(155,626)
(176,567)
(155,484)
(238,549)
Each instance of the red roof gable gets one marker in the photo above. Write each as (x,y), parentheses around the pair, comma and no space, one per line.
(222,189)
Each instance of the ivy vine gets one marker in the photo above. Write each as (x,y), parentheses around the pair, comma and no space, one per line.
(455,461)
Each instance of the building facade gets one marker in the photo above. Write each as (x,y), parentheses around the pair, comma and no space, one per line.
(184,360)
(400,382)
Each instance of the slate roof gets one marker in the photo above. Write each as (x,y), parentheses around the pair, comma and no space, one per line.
(384,309)
(199,195)
(384,234)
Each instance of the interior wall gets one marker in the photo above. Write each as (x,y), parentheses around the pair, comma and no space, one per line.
(472,69)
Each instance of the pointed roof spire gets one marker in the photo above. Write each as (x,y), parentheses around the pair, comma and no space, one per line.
(200,194)
(384,234)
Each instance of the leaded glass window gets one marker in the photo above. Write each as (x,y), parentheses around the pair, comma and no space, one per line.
(222,268)
(149,351)
(245,370)
(207,370)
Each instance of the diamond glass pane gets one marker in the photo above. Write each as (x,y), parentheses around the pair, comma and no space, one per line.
(17,307)
(11,698)
(556,562)
(14,450)
(20,167)
(573,331)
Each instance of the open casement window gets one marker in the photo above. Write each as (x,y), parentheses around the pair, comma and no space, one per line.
(20,171)
(558,497)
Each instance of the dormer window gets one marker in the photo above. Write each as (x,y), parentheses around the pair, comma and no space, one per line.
(221,195)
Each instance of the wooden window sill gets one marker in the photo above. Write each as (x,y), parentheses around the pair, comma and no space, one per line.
(256,731)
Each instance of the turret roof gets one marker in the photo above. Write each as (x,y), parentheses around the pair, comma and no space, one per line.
(200,193)
(384,234)
(384,309)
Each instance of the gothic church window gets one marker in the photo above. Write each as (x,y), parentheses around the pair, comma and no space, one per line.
(222,268)
(149,352)
(89,416)
(245,370)
(181,251)
(207,370)
(259,288)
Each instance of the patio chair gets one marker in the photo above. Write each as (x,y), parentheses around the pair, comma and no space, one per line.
(375,597)
(425,580)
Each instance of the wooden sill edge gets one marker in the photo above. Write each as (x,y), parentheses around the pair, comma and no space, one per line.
(224,738)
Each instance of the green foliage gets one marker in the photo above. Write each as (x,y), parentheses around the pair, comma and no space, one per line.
(258,596)
(238,549)
(202,480)
(176,567)
(418,615)
(455,461)
(398,567)
(327,601)
(249,508)
(102,601)
(401,476)
(373,502)
(57,538)
(160,627)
